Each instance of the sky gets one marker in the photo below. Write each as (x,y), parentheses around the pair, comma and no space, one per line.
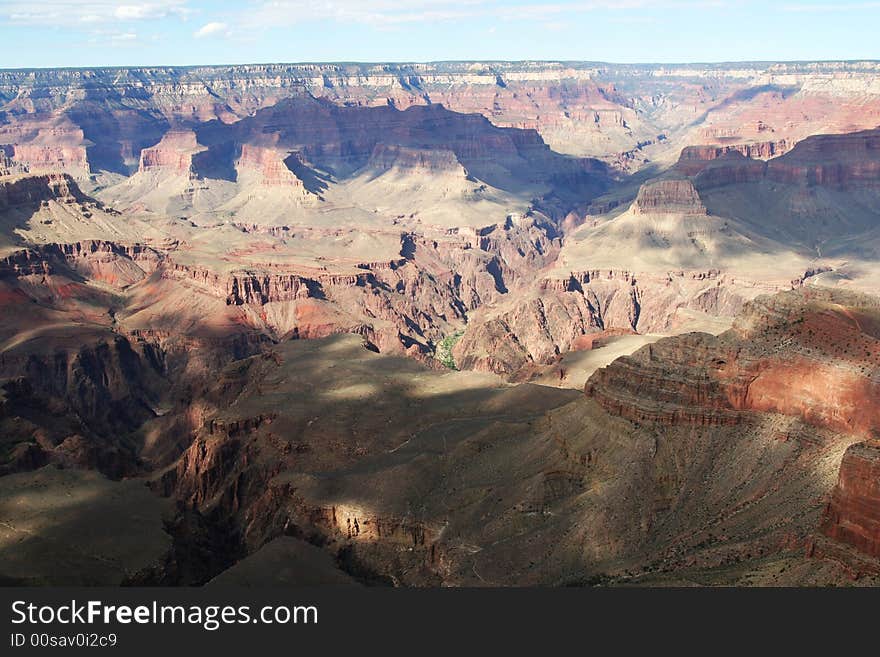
(81,33)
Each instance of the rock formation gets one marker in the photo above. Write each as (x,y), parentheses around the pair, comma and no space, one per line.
(173,154)
(812,359)
(853,514)
(38,188)
(693,159)
(668,196)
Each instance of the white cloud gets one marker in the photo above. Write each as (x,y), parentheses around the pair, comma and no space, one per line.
(278,13)
(65,12)
(832,7)
(112,38)
(211,29)
(136,12)
(267,14)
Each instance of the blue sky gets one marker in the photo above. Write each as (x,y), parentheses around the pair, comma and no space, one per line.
(48,33)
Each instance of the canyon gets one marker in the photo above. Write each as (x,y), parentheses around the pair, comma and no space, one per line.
(450,324)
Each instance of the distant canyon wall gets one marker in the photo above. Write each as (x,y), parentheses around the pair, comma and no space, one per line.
(90,120)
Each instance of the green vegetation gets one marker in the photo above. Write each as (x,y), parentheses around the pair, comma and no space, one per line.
(444,350)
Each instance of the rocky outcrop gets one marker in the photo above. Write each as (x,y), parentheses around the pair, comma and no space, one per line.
(806,354)
(671,382)
(90,399)
(842,162)
(729,169)
(404,304)
(853,514)
(93,248)
(386,157)
(174,153)
(32,190)
(570,308)
(536,330)
(576,280)
(42,157)
(694,159)
(260,289)
(269,166)
(26,262)
(802,353)
(8,166)
(114,264)
(669,197)
(208,280)
(118,265)
(596,340)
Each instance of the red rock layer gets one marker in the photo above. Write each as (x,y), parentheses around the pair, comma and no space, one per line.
(838,161)
(41,157)
(693,159)
(841,162)
(269,165)
(46,143)
(853,515)
(674,381)
(806,353)
(173,153)
(594,340)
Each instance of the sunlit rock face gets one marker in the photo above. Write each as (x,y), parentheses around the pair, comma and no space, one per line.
(852,514)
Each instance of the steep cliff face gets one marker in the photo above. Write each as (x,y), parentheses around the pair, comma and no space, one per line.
(387,157)
(820,194)
(407,304)
(345,139)
(110,263)
(729,169)
(79,406)
(173,154)
(243,287)
(669,382)
(80,387)
(842,162)
(803,353)
(268,165)
(31,190)
(603,497)
(303,156)
(586,116)
(694,159)
(262,289)
(668,196)
(46,143)
(535,328)
(853,514)
(839,162)
(8,166)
